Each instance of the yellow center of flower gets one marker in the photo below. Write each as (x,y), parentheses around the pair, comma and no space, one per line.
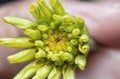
(57,42)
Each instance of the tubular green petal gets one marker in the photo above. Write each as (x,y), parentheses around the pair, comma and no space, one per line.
(35,11)
(45,36)
(50,32)
(43,72)
(84,39)
(57,7)
(50,54)
(45,9)
(17,42)
(80,60)
(46,48)
(57,19)
(68,28)
(68,72)
(70,36)
(20,22)
(22,56)
(80,22)
(73,42)
(40,54)
(43,28)
(72,50)
(28,71)
(55,73)
(85,30)
(69,20)
(61,28)
(57,59)
(76,32)
(69,48)
(53,25)
(67,57)
(44,4)
(84,49)
(39,43)
(34,34)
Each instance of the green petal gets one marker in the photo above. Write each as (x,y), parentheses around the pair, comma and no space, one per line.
(22,56)
(55,73)
(35,11)
(39,43)
(57,59)
(28,71)
(44,9)
(34,34)
(66,56)
(40,54)
(17,42)
(20,22)
(80,22)
(73,42)
(50,55)
(76,32)
(57,7)
(43,72)
(80,60)
(43,28)
(84,48)
(68,72)
(84,39)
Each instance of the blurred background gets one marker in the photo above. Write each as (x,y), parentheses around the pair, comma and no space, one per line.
(5,1)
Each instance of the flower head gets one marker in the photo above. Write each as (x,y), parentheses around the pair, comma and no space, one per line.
(56,42)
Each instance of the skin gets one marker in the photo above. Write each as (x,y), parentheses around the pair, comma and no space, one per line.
(102,20)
